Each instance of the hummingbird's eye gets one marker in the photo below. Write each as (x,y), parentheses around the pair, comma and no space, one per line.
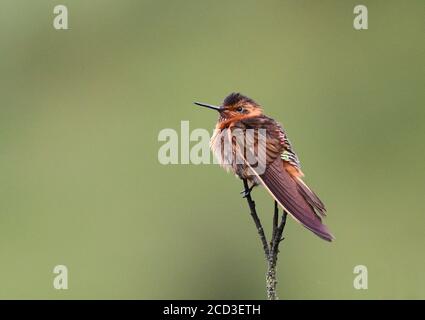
(240,109)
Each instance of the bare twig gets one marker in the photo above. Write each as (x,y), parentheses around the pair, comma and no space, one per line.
(272,262)
(257,221)
(271,251)
(274,249)
(275,221)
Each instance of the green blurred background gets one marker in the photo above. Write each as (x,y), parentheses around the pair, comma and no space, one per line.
(80,113)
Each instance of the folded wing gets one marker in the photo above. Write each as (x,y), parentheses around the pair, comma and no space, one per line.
(286,191)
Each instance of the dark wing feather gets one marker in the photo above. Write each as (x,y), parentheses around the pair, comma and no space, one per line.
(290,192)
(278,143)
(311,197)
(285,191)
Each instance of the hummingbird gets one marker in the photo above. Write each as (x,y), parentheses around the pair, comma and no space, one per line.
(281,176)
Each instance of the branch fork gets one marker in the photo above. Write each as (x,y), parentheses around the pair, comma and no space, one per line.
(271,250)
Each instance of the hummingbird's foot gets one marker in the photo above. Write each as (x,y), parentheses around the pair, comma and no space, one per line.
(245,193)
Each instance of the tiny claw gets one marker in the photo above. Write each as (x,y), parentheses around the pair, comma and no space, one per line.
(246,193)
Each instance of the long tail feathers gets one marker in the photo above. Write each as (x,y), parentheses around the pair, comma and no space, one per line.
(311,197)
(296,198)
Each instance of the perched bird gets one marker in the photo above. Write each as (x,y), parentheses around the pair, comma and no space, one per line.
(281,176)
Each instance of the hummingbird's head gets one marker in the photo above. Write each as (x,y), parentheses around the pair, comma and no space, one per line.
(235,107)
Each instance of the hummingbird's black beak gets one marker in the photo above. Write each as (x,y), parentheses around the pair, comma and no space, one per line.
(209,106)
